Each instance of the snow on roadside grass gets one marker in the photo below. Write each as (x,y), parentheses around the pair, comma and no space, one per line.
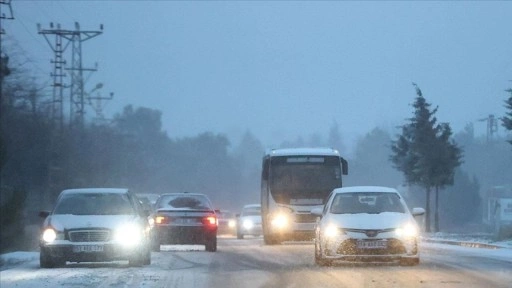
(14,258)
(468,239)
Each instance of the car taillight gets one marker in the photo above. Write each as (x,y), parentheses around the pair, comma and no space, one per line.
(162,220)
(210,220)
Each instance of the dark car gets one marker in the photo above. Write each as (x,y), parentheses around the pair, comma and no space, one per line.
(185,218)
(95,224)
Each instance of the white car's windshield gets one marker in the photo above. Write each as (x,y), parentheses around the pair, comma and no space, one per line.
(371,202)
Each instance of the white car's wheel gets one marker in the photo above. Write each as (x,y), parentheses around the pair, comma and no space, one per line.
(319,259)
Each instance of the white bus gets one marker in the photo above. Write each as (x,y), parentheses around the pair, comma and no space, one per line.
(294,181)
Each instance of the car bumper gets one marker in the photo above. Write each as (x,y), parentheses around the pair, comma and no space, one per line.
(183,234)
(109,251)
(347,250)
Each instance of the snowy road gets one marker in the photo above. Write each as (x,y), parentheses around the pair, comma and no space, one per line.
(249,263)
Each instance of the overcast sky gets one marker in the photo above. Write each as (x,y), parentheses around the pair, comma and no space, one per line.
(283,69)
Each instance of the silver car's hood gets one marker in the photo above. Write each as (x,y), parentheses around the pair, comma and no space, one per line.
(369,221)
(61,222)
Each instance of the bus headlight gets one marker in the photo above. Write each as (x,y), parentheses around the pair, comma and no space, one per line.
(280,221)
(231,223)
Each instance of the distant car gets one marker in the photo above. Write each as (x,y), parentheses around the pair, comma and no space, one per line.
(148,200)
(366,224)
(95,224)
(249,221)
(185,218)
(227,222)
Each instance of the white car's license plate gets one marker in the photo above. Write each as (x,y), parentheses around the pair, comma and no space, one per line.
(376,244)
(87,248)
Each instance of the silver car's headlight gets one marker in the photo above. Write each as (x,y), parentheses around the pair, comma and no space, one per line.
(407,230)
(49,235)
(248,224)
(129,234)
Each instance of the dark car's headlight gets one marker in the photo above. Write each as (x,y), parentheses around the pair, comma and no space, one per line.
(49,235)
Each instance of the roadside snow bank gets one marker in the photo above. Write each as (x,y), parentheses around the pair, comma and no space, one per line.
(18,257)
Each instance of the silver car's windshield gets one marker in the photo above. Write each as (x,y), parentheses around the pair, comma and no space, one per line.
(94,204)
(371,202)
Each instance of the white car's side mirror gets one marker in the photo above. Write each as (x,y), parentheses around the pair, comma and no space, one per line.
(417,211)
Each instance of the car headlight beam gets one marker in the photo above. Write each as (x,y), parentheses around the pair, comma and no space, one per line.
(128,234)
(407,230)
(280,221)
(248,224)
(49,235)
(331,231)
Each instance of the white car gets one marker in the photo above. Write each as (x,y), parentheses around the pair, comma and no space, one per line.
(249,221)
(366,224)
(95,225)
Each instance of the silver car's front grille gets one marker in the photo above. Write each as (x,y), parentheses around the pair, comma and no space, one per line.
(89,236)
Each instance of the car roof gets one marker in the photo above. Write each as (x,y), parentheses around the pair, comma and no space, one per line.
(183,194)
(95,190)
(362,189)
(320,151)
(252,206)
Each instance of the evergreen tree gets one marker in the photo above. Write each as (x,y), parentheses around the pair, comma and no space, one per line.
(424,152)
(507,120)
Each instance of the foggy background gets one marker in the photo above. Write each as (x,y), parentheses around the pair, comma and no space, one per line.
(202,89)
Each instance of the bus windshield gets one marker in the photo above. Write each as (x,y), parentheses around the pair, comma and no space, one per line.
(304,180)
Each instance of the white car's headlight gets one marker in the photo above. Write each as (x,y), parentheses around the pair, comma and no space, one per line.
(408,230)
(248,224)
(129,234)
(280,221)
(331,231)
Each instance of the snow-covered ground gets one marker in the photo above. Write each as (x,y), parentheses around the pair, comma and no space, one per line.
(480,242)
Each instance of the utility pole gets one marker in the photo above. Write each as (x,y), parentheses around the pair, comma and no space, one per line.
(492,126)
(4,60)
(77,101)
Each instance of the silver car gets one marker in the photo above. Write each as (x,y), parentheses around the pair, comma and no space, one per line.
(366,224)
(95,225)
(249,221)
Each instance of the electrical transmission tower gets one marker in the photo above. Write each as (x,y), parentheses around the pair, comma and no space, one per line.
(492,126)
(63,38)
